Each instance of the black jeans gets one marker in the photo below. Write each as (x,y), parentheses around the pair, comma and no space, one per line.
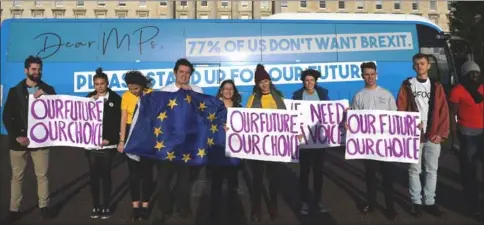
(311,158)
(140,179)
(186,188)
(471,152)
(273,173)
(186,176)
(218,175)
(100,176)
(140,176)
(386,169)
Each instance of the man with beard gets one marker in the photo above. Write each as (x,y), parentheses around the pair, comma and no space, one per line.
(15,116)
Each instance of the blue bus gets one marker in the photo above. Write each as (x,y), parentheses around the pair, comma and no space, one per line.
(286,43)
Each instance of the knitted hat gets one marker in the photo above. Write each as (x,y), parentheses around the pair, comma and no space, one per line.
(469,66)
(261,74)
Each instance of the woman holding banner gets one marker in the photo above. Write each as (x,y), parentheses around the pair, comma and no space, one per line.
(100,159)
(141,172)
(223,167)
(311,157)
(266,96)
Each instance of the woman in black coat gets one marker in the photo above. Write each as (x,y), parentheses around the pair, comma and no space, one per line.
(100,159)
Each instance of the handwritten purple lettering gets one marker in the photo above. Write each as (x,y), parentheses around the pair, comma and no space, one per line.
(364,124)
(68,121)
(269,145)
(322,134)
(391,124)
(263,134)
(399,125)
(74,132)
(251,122)
(74,110)
(295,106)
(405,147)
(327,113)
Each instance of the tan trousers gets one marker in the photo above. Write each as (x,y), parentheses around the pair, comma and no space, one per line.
(18,161)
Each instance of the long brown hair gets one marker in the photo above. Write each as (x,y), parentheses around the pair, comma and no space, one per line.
(236,98)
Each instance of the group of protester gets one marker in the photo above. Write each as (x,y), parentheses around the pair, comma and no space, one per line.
(464,123)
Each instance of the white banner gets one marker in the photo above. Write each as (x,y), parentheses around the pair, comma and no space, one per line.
(381,135)
(63,120)
(322,122)
(262,134)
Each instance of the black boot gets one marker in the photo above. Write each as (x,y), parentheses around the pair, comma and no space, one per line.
(367,209)
(135,215)
(144,213)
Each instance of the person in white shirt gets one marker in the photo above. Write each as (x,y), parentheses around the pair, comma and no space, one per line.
(186,175)
(183,71)
(427,96)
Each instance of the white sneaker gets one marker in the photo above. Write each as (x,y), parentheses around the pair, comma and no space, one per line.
(105,214)
(321,208)
(95,213)
(304,209)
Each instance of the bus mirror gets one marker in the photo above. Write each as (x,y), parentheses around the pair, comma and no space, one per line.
(443,36)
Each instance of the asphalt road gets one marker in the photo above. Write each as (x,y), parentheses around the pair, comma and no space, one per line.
(343,191)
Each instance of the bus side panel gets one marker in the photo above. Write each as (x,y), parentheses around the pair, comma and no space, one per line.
(390,46)
(230,51)
(298,42)
(223,41)
(3,64)
(337,50)
(94,40)
(379,42)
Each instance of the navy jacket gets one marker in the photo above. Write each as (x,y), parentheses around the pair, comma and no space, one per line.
(15,112)
(322,93)
(111,117)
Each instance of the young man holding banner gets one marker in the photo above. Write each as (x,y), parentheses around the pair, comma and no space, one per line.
(427,96)
(15,116)
(311,158)
(375,97)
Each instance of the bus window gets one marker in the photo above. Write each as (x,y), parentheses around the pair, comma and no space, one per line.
(461,52)
(436,48)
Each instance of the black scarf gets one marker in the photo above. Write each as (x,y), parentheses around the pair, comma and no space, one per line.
(473,88)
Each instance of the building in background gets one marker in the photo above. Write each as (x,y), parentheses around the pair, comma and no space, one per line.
(435,10)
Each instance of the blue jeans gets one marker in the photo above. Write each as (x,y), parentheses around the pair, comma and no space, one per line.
(428,157)
(471,152)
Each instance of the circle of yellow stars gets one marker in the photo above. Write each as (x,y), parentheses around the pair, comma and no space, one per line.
(157,131)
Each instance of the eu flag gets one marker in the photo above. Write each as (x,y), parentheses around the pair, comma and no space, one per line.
(182,127)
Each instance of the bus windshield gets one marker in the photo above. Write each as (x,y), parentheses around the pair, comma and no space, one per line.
(440,58)
(439,64)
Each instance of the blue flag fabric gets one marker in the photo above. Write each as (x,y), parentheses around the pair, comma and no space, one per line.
(182,127)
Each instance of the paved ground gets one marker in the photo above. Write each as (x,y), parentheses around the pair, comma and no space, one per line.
(343,191)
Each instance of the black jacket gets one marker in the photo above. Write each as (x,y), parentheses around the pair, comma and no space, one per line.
(322,93)
(15,115)
(111,117)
